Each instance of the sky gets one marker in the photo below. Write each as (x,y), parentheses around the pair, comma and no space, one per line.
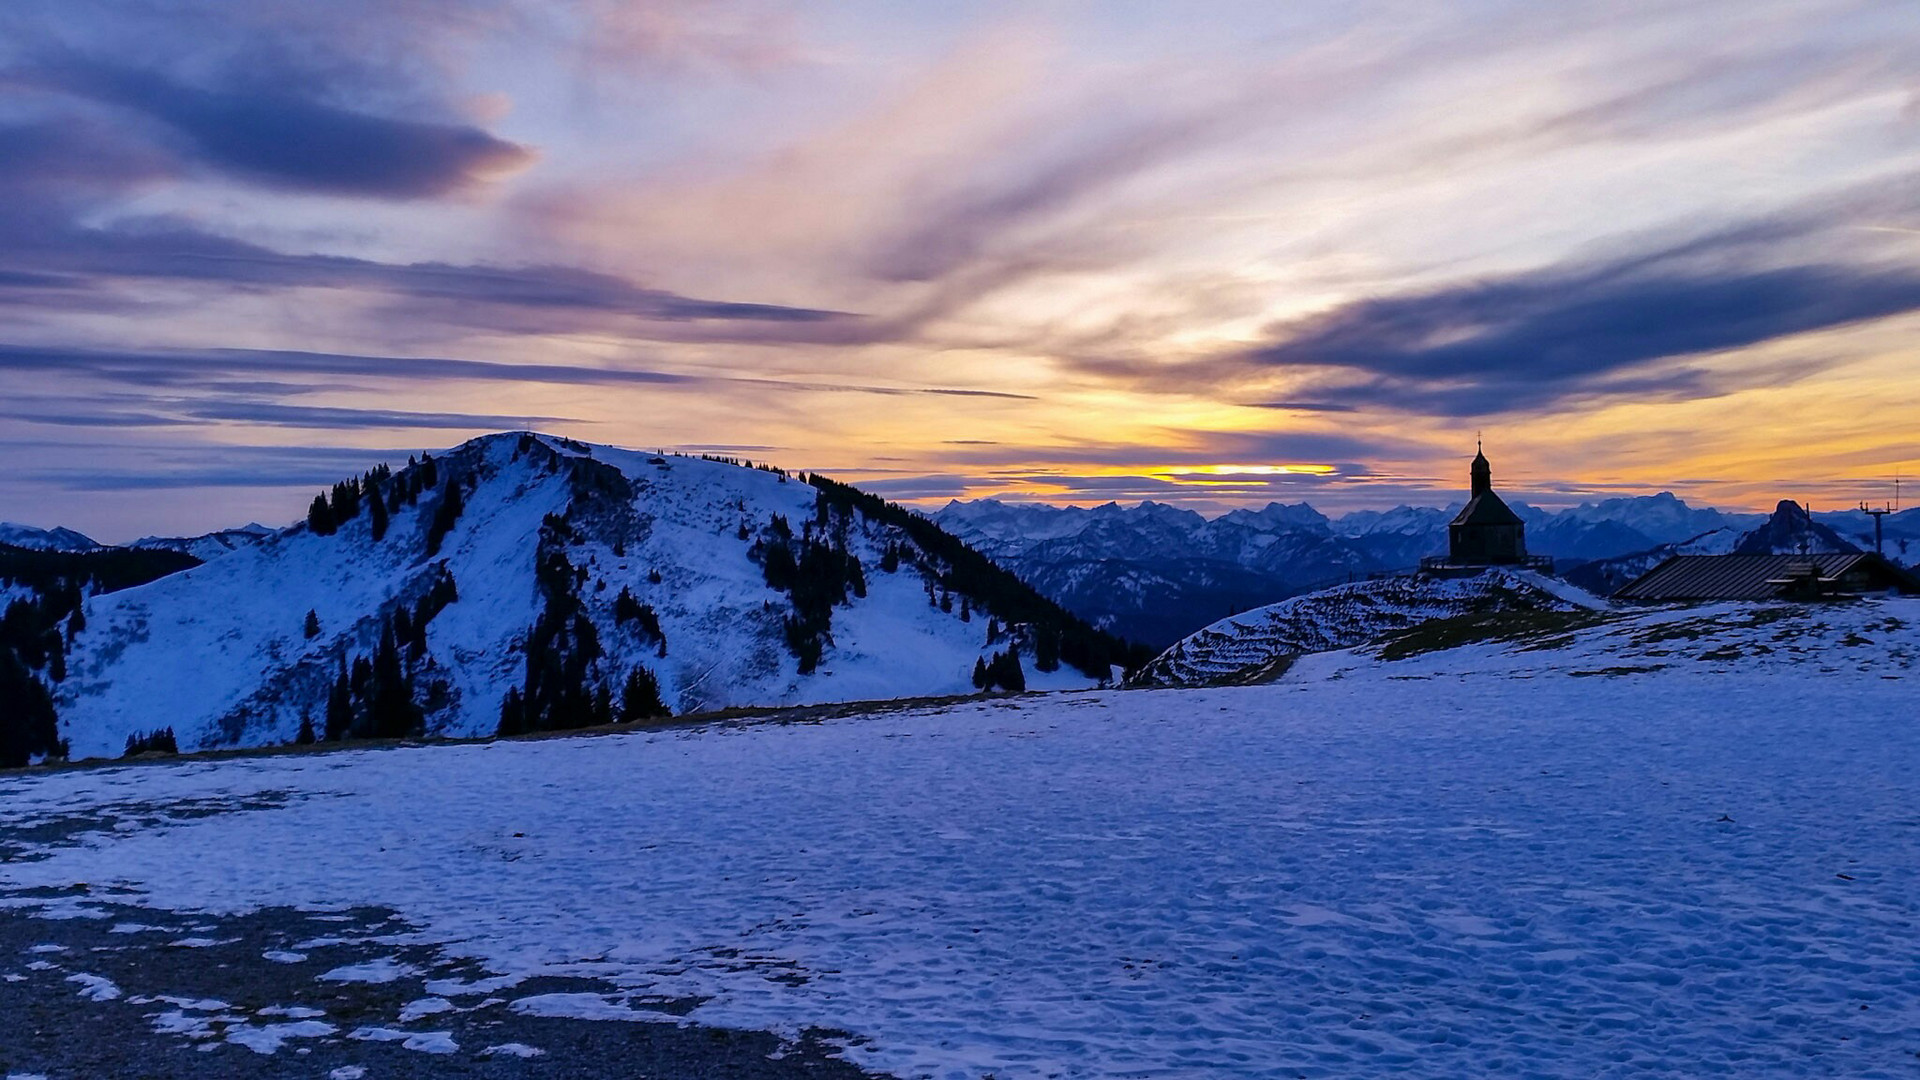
(1213,254)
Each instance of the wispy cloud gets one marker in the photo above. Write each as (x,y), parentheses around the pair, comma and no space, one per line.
(191,367)
(320,416)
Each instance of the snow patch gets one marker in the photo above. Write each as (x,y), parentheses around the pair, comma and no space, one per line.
(95,987)
(384,970)
(268,1039)
(427,1042)
(513,1049)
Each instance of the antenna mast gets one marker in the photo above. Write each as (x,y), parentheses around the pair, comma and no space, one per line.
(1879,514)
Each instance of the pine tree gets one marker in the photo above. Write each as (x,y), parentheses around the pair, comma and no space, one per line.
(305,737)
(320,517)
(312,627)
(28,724)
(391,709)
(379,515)
(339,709)
(513,714)
(640,698)
(444,516)
(1046,649)
(1004,672)
(979,673)
(966,610)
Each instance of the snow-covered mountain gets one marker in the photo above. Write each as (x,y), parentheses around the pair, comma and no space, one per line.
(208,546)
(1789,530)
(521,582)
(1662,518)
(1110,563)
(36,539)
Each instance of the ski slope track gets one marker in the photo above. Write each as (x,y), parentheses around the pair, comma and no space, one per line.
(219,652)
(1669,843)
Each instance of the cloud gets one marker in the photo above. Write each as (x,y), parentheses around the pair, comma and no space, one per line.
(1532,340)
(1168,447)
(193,367)
(1302,406)
(953,232)
(1650,317)
(532,299)
(916,488)
(321,416)
(101,419)
(295,142)
(133,467)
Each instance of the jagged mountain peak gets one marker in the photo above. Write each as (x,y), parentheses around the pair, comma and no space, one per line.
(1791,530)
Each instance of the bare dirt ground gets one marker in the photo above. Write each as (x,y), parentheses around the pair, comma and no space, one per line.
(143,994)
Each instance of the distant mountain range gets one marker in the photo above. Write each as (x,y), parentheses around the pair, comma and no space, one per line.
(1155,573)
(522,582)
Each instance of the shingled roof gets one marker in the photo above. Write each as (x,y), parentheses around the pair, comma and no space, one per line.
(1487,508)
(1764,577)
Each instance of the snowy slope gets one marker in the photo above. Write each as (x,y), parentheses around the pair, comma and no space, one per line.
(219,653)
(1578,860)
(1873,638)
(1255,646)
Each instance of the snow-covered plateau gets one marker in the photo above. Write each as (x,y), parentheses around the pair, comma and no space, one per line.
(1669,843)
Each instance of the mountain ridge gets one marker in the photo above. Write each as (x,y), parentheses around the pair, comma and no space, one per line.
(524,582)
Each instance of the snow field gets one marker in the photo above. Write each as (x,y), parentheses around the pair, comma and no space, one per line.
(1518,874)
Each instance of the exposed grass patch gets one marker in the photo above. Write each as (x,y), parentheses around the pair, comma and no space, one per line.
(1536,628)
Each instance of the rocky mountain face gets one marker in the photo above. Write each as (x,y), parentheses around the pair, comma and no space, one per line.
(1791,530)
